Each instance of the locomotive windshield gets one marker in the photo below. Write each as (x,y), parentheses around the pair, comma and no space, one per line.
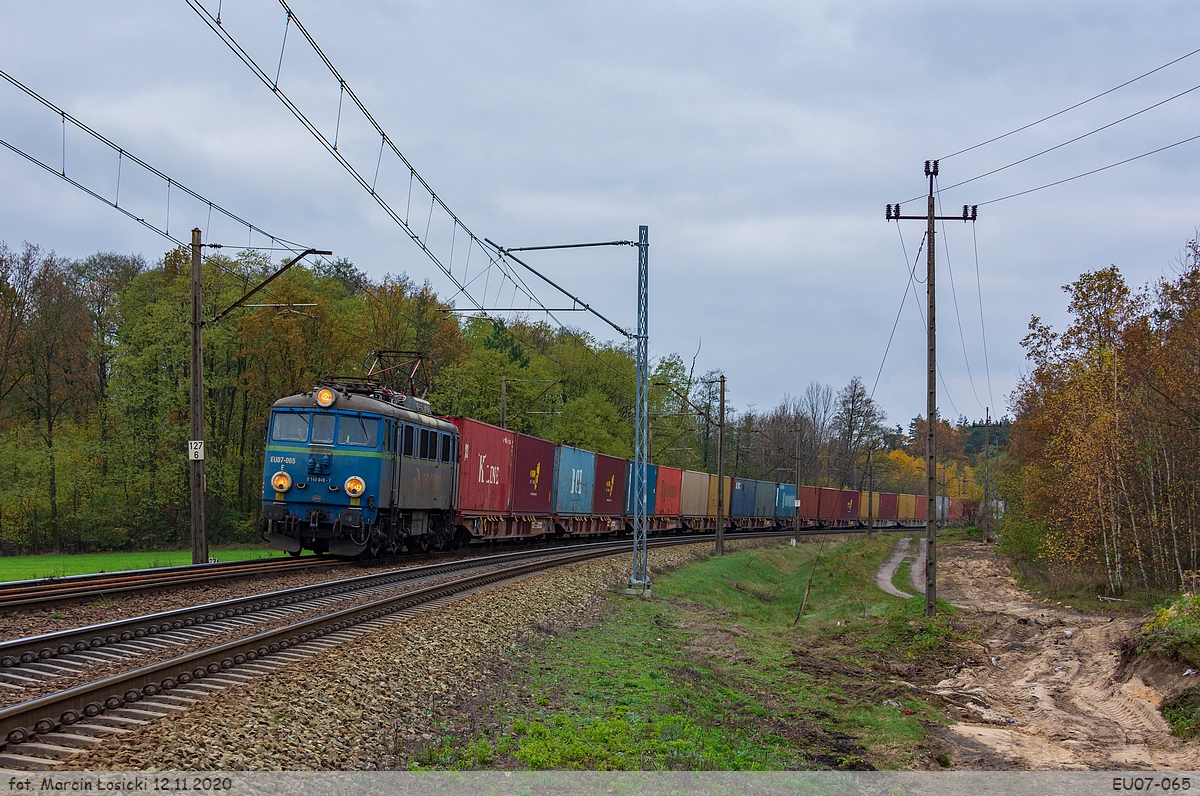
(358,431)
(351,429)
(290,427)
(322,429)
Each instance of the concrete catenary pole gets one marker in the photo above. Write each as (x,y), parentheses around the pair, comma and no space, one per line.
(721,474)
(196,438)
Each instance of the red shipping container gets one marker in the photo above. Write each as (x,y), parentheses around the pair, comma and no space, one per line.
(670,487)
(848,505)
(828,500)
(887,506)
(609,500)
(533,476)
(956,510)
(484,467)
(922,511)
(808,502)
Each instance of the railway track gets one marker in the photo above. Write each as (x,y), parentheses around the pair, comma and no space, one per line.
(47,592)
(75,688)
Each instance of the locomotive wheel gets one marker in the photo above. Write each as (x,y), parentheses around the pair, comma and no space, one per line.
(295,553)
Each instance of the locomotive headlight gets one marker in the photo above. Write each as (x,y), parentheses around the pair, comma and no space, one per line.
(281,481)
(326,396)
(355,486)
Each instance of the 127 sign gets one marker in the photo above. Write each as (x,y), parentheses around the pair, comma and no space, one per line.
(195,450)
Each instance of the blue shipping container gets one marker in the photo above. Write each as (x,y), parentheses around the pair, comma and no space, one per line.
(742,500)
(651,488)
(574,481)
(764,499)
(785,501)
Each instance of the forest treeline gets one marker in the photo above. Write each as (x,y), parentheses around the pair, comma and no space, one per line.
(94,357)
(1104,468)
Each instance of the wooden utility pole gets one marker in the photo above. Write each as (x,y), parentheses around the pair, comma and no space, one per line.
(196,438)
(721,473)
(968,214)
(870,491)
(503,401)
(987,509)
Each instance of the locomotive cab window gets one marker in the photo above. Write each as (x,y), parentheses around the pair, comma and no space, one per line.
(408,440)
(357,430)
(445,447)
(322,429)
(425,443)
(290,427)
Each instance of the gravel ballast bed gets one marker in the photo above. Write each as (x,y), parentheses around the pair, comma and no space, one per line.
(371,704)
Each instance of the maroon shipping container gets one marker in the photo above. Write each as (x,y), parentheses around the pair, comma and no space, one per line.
(533,476)
(922,507)
(887,506)
(848,507)
(609,500)
(670,487)
(484,467)
(808,502)
(828,507)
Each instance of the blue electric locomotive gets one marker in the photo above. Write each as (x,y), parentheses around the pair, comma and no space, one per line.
(355,469)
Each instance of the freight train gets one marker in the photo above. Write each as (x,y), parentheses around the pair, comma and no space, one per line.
(355,469)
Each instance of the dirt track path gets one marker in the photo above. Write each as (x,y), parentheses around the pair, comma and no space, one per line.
(883,578)
(1044,689)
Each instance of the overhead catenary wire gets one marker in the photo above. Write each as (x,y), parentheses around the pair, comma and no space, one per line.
(386,143)
(1070,107)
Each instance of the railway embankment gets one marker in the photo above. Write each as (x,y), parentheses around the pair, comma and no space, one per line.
(386,699)
(715,673)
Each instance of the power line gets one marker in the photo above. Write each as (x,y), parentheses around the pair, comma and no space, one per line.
(982,328)
(1072,107)
(1069,141)
(954,295)
(1089,173)
(907,285)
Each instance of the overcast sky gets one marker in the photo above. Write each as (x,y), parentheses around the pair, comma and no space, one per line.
(758,141)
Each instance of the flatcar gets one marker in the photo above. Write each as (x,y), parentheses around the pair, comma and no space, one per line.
(355,469)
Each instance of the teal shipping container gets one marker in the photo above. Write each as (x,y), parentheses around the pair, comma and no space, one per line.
(785,501)
(574,481)
(764,499)
(651,489)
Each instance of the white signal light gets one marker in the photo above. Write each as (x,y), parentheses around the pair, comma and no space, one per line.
(326,396)
(281,481)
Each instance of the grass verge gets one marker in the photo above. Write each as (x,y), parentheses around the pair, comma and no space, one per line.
(58,566)
(716,673)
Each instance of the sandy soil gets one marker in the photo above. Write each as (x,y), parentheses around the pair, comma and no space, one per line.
(1045,688)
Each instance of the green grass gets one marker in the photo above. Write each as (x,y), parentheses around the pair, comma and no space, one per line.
(712,674)
(30,567)
(1182,713)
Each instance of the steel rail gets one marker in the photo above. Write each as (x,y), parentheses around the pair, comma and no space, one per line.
(20,722)
(45,592)
(30,649)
